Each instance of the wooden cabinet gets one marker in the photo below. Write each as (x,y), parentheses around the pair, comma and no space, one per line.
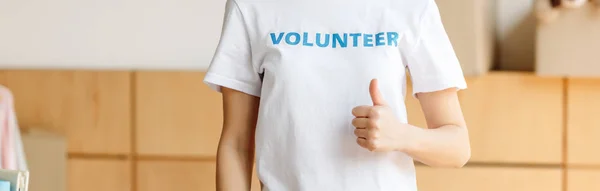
(92,108)
(514,118)
(176,175)
(176,114)
(180,176)
(488,179)
(583,121)
(98,175)
(583,179)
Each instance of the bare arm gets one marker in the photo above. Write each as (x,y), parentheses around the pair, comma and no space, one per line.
(445,143)
(235,155)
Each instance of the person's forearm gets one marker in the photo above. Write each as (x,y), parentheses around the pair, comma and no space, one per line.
(234,167)
(446,146)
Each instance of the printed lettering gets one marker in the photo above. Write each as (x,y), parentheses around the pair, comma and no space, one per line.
(337,39)
(288,38)
(305,40)
(355,39)
(368,40)
(326,43)
(379,40)
(276,40)
(392,38)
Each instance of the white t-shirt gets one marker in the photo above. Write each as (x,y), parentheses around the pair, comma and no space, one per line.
(311,62)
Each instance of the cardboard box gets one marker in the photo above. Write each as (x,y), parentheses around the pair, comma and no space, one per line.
(470,24)
(570,45)
(46,155)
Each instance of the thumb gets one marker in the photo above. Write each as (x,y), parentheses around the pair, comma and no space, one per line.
(376,94)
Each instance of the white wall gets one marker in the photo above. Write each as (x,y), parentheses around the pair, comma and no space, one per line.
(109,34)
(166,34)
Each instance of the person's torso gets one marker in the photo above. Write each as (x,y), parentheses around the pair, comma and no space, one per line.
(317,59)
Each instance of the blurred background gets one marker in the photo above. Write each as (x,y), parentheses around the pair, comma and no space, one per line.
(109,95)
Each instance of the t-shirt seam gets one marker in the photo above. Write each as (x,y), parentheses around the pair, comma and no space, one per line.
(251,87)
(436,83)
(232,79)
(437,78)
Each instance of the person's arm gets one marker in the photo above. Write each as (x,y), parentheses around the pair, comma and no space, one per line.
(445,141)
(235,155)
(444,144)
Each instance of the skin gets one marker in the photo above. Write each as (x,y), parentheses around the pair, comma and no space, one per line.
(235,154)
(443,143)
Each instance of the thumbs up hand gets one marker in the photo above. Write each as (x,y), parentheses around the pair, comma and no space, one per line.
(377,129)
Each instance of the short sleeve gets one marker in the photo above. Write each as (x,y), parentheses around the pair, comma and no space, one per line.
(429,55)
(231,65)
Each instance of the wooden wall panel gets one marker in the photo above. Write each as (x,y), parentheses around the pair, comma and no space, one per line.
(583,179)
(177,114)
(488,179)
(180,176)
(98,175)
(583,121)
(176,175)
(91,108)
(514,117)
